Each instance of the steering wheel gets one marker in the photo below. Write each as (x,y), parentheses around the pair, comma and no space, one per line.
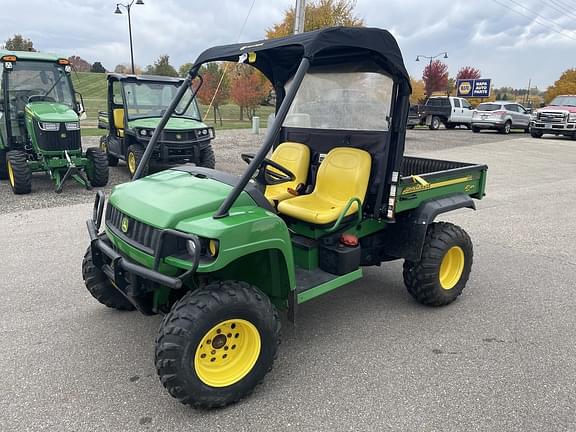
(266,176)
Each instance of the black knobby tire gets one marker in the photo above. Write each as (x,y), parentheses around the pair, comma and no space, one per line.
(207,157)
(506,128)
(100,287)
(435,123)
(138,151)
(475,129)
(3,165)
(21,180)
(98,174)
(191,319)
(535,134)
(112,160)
(422,278)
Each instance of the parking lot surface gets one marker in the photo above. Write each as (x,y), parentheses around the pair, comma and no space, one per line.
(365,357)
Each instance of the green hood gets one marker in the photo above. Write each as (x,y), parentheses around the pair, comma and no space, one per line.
(169,197)
(173,123)
(51,112)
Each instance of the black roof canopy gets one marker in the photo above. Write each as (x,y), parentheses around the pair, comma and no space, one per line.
(279,58)
(153,78)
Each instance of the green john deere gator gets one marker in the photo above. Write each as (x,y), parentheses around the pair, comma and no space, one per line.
(39,124)
(136,104)
(221,254)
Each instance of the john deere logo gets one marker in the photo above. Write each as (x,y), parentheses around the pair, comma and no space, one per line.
(124,225)
(465,88)
(178,136)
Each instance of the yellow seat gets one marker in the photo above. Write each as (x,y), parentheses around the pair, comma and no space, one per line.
(118,114)
(342,175)
(295,157)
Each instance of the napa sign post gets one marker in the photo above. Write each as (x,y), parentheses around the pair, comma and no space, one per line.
(474,87)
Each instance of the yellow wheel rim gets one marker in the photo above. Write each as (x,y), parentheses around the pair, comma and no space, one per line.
(451,267)
(227,353)
(103,146)
(131,163)
(10,174)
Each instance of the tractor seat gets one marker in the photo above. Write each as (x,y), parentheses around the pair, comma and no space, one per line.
(343,174)
(118,114)
(295,157)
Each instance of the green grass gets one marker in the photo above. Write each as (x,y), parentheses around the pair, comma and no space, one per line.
(92,86)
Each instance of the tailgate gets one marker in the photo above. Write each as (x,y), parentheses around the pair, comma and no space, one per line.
(424,179)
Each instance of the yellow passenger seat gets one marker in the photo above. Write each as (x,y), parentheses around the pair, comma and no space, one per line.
(118,114)
(294,157)
(342,175)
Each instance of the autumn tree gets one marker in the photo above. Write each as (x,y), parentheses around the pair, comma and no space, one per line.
(215,90)
(97,68)
(319,14)
(162,67)
(247,88)
(468,72)
(79,64)
(184,69)
(566,84)
(19,43)
(418,91)
(125,68)
(435,77)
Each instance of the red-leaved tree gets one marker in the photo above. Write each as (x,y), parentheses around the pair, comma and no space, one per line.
(210,92)
(468,72)
(435,77)
(247,89)
(79,63)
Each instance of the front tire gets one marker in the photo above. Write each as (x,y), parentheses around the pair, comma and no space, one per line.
(435,123)
(217,344)
(444,267)
(98,173)
(100,287)
(19,173)
(112,160)
(535,134)
(207,157)
(133,158)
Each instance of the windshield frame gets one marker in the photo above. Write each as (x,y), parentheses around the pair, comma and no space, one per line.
(175,84)
(568,97)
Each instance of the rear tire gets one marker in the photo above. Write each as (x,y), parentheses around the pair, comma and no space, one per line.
(133,158)
(435,123)
(100,287)
(98,175)
(475,129)
(506,128)
(535,134)
(440,275)
(3,166)
(19,173)
(112,160)
(217,344)
(207,157)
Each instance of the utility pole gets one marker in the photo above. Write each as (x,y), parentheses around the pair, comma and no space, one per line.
(299,16)
(528,92)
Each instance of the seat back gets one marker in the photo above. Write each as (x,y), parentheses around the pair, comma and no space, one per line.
(295,157)
(118,114)
(343,174)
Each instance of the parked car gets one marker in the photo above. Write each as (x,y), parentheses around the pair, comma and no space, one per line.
(414,116)
(448,110)
(558,118)
(502,116)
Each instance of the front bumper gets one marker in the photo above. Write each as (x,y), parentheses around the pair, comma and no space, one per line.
(553,128)
(126,275)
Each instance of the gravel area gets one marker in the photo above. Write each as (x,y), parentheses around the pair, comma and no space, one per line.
(228,146)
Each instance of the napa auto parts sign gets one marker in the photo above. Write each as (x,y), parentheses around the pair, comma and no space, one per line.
(473,87)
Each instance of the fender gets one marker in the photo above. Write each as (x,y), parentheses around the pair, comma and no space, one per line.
(405,238)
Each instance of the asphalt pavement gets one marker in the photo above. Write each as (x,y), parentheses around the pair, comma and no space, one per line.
(364,357)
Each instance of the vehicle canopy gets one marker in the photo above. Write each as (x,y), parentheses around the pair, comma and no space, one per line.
(353,60)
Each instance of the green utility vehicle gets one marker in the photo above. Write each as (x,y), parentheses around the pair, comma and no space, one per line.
(135,106)
(39,124)
(220,254)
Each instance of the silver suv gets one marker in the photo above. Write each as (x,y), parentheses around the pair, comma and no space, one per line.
(500,115)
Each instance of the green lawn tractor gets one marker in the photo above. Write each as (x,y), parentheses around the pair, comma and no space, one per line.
(329,193)
(136,105)
(39,124)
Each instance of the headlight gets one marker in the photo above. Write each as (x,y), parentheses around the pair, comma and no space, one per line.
(572,117)
(191,247)
(50,126)
(143,132)
(72,126)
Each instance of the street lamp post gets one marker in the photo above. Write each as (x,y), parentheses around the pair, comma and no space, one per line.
(418,57)
(128,6)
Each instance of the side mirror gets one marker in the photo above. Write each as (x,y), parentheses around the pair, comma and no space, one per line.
(542,105)
(528,110)
(470,107)
(80,107)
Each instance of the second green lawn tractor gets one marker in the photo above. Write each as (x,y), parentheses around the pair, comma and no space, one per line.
(329,193)
(39,124)
(136,103)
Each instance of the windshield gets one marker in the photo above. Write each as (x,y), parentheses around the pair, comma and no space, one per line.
(342,100)
(36,78)
(564,101)
(488,107)
(151,99)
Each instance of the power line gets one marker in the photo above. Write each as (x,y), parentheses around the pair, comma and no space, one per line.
(562,8)
(541,16)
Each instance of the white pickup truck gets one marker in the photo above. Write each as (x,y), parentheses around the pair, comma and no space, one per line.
(448,110)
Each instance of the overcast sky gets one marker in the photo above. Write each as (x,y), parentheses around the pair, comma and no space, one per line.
(509,44)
